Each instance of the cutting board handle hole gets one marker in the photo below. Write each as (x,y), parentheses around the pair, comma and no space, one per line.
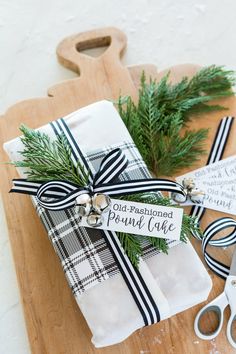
(95,47)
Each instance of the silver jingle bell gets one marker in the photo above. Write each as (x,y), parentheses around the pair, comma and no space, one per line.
(101,203)
(179,198)
(83,204)
(196,196)
(188,183)
(94,219)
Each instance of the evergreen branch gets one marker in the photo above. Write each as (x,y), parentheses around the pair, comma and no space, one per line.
(163,109)
(47,160)
(132,247)
(179,151)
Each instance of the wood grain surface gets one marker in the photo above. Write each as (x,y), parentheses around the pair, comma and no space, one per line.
(54,322)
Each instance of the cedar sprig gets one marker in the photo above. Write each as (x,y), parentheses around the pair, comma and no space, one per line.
(163,109)
(46,159)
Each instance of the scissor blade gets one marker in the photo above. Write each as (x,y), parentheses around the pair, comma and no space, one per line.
(232,270)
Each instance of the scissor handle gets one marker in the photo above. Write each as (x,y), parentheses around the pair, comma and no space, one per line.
(230,337)
(217,306)
(230,289)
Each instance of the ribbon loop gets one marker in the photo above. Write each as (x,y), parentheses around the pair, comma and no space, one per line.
(112,165)
(212,230)
(68,192)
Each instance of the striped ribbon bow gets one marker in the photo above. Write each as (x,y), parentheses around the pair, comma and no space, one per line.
(62,194)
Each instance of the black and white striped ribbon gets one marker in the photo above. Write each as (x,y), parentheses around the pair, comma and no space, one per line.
(211,231)
(135,283)
(63,194)
(221,224)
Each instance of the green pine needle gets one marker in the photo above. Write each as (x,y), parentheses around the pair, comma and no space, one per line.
(132,246)
(48,160)
(163,109)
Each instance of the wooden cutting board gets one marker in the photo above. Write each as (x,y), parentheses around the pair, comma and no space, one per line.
(54,322)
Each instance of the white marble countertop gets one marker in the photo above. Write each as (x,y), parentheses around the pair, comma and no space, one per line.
(161,32)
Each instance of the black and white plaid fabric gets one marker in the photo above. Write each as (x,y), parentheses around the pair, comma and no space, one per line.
(83,252)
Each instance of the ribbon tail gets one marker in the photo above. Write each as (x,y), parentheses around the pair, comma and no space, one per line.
(53,195)
(23,186)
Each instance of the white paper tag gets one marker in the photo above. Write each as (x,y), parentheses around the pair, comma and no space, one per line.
(224,169)
(142,219)
(218,182)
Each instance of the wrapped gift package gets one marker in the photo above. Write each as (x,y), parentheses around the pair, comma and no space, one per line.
(116,302)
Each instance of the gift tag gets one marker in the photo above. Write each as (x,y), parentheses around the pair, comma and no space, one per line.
(217,181)
(141,219)
(225,169)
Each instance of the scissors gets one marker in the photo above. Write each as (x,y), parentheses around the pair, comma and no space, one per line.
(218,305)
